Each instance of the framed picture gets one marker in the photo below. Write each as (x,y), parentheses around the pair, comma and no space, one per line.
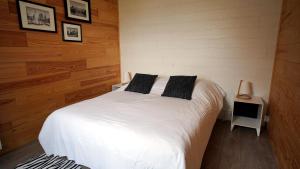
(79,10)
(71,32)
(35,16)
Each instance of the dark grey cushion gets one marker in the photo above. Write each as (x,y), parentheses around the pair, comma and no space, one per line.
(141,83)
(180,87)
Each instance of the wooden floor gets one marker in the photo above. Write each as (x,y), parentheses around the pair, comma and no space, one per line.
(240,149)
(10,160)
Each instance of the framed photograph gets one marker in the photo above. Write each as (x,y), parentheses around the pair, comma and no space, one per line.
(35,16)
(79,10)
(71,32)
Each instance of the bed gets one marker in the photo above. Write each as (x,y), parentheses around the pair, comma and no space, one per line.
(128,130)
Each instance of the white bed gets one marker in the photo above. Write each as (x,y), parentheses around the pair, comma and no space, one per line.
(127,130)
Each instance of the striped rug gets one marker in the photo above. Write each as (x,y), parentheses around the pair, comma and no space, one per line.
(49,162)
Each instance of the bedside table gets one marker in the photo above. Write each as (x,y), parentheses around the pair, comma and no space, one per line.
(117,86)
(248,113)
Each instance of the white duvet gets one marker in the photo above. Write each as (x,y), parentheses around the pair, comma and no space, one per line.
(127,130)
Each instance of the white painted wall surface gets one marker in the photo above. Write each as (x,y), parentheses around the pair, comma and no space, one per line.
(221,40)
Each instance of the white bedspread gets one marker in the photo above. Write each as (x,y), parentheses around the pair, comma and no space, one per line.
(127,130)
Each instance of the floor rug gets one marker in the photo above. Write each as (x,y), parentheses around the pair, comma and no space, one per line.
(49,162)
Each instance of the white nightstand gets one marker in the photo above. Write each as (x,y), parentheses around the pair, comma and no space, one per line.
(117,86)
(248,113)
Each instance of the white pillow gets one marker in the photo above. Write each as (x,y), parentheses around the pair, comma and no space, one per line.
(159,85)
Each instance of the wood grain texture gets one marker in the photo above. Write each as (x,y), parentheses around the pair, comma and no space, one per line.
(34,68)
(239,149)
(284,100)
(12,39)
(86,93)
(34,81)
(40,73)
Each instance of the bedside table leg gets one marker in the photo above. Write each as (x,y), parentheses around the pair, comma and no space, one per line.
(258,132)
(231,128)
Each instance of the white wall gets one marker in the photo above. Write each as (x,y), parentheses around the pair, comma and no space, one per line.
(221,40)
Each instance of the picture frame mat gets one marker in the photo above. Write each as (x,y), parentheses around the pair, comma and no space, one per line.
(24,21)
(69,15)
(72,25)
(75,16)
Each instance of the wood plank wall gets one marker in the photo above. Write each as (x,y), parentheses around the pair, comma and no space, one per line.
(284,127)
(40,73)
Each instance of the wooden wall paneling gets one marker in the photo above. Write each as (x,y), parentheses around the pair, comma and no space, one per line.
(34,68)
(99,80)
(86,93)
(6,101)
(40,73)
(12,71)
(102,61)
(12,7)
(13,39)
(49,39)
(12,56)
(34,81)
(91,73)
(4,8)
(109,14)
(284,101)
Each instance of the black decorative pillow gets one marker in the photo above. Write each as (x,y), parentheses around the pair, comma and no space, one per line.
(141,83)
(180,87)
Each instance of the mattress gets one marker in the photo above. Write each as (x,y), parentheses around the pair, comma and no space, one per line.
(127,130)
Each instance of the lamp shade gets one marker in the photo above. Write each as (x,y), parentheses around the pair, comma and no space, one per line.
(245,90)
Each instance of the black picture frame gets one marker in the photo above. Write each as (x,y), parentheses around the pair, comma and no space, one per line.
(69,17)
(23,27)
(64,35)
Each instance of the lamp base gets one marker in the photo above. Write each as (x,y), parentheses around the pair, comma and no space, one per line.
(244,96)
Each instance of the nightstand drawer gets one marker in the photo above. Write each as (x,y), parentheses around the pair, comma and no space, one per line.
(245,109)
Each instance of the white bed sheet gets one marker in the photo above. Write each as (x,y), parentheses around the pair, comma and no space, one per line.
(127,130)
